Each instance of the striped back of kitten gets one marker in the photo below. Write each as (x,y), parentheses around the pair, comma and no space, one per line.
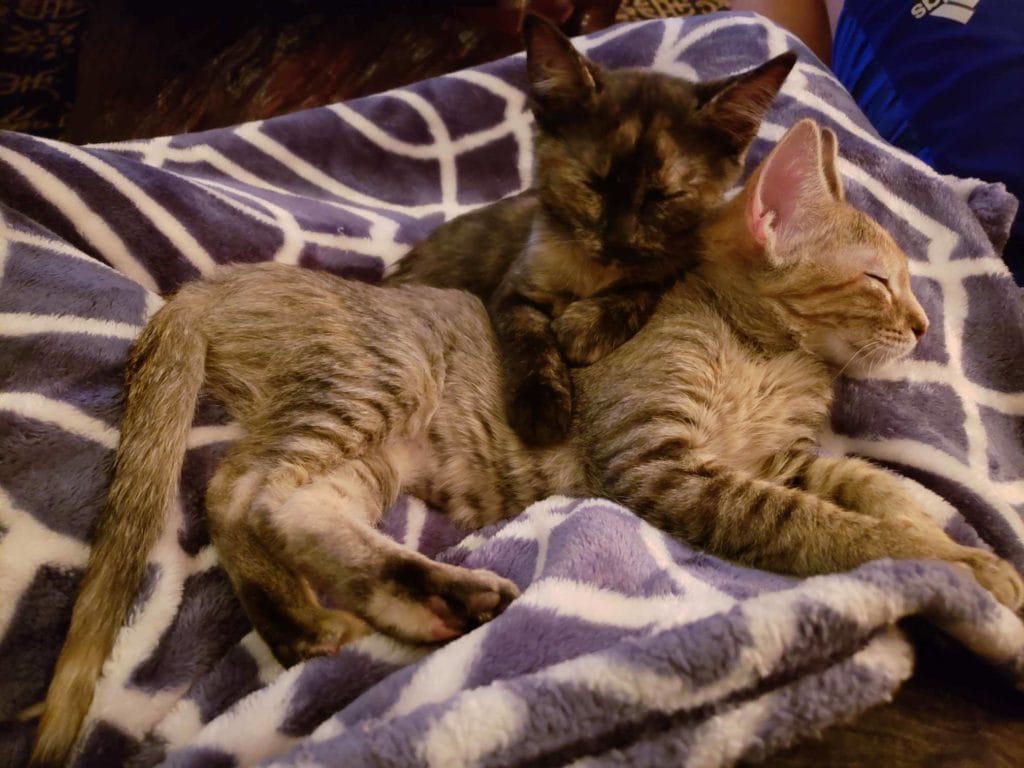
(705,423)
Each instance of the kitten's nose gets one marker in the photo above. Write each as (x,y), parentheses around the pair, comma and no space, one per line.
(919,325)
(623,230)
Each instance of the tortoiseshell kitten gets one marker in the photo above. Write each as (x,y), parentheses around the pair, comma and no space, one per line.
(627,164)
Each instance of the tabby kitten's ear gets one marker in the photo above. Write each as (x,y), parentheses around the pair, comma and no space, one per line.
(560,78)
(790,191)
(830,156)
(738,104)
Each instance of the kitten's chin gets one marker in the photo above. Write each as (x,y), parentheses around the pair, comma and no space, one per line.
(855,359)
(632,255)
(842,355)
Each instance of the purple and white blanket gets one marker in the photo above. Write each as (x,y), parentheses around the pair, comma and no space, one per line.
(626,647)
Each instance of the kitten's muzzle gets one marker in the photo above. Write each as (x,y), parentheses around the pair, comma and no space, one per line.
(631,254)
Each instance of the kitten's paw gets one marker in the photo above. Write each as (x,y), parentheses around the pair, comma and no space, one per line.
(465,599)
(996,575)
(590,329)
(540,410)
(427,602)
(331,630)
(578,330)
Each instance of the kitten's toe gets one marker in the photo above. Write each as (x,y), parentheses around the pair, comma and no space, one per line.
(332,630)
(578,342)
(433,602)
(997,576)
(465,599)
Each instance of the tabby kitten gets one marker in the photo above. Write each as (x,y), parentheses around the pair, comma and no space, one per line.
(704,423)
(627,164)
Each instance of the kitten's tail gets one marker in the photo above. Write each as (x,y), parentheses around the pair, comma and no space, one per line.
(164,375)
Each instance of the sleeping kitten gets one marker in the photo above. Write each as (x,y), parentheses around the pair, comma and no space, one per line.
(704,423)
(627,164)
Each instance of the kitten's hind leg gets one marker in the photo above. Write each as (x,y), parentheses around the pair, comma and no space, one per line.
(278,601)
(281,604)
(326,529)
(860,486)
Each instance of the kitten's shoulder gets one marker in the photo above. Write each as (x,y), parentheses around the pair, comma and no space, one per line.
(474,250)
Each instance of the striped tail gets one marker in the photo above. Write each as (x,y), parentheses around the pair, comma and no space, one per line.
(164,376)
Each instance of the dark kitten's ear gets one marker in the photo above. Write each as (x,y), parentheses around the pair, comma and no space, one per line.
(737,104)
(830,158)
(560,78)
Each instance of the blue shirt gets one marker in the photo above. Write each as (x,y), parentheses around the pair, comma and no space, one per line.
(943,79)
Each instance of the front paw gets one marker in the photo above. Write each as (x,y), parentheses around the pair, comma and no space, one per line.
(996,575)
(581,333)
(540,408)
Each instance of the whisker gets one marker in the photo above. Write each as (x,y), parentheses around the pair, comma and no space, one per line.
(866,349)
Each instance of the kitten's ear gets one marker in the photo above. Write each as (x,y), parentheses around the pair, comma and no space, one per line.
(830,163)
(787,192)
(737,104)
(559,76)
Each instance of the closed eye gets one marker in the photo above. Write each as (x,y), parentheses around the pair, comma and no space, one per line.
(655,195)
(878,278)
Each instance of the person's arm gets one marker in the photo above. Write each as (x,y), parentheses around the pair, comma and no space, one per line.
(807,19)
(834,7)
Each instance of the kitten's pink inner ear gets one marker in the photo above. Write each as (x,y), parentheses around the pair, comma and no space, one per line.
(830,162)
(790,177)
(759,219)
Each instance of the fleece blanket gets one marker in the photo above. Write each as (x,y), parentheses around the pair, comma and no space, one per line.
(626,647)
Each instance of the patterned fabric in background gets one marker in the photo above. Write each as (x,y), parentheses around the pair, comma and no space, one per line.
(633,10)
(39,41)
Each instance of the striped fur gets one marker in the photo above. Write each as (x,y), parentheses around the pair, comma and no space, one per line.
(161,378)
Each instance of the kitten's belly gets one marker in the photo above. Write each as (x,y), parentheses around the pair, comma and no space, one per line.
(464,459)
(413,462)
(477,484)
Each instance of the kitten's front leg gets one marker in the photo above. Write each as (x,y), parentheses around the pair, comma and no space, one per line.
(538,389)
(588,329)
(861,486)
(788,529)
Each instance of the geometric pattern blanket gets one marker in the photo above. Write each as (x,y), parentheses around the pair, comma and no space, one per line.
(626,647)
